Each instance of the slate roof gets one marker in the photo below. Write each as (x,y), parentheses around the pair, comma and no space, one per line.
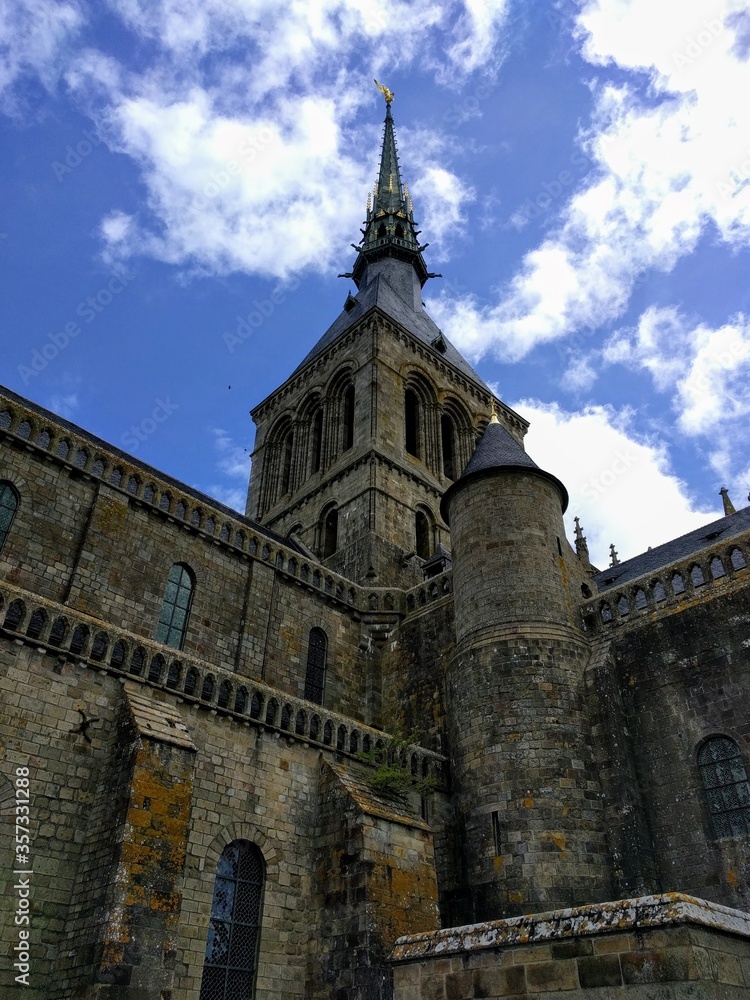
(498,450)
(679,548)
(381,294)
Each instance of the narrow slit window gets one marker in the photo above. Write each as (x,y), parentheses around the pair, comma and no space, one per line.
(175,609)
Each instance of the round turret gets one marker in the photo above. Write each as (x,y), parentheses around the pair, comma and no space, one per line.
(520,748)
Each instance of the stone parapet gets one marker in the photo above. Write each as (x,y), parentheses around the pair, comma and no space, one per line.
(669,945)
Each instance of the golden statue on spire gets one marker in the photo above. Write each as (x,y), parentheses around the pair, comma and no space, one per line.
(386,92)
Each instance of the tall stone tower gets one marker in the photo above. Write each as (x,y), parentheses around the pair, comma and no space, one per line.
(526,788)
(354,451)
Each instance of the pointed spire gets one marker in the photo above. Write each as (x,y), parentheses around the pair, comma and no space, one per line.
(728,505)
(613,556)
(582,546)
(389,228)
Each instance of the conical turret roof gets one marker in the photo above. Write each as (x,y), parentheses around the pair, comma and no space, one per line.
(498,451)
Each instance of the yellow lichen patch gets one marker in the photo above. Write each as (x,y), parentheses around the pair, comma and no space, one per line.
(528,802)
(557,839)
(515,897)
(732,877)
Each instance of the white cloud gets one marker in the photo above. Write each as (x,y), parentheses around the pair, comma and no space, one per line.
(234,466)
(35,37)
(442,198)
(620,485)
(64,406)
(667,160)
(707,373)
(248,163)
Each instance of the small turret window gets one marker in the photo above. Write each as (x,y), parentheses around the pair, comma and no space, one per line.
(381,231)
(399,232)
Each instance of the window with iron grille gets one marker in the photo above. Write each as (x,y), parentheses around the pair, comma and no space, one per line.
(230,968)
(316,666)
(8,505)
(727,789)
(175,608)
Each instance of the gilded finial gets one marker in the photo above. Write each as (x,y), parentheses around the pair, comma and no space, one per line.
(493,415)
(728,505)
(369,201)
(386,92)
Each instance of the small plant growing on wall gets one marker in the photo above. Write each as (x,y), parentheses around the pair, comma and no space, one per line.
(391,776)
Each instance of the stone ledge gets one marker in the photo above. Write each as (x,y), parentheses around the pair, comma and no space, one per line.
(668,909)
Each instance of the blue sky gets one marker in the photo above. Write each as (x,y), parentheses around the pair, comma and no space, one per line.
(581,171)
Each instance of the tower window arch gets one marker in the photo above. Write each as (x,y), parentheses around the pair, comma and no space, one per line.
(316,441)
(411,419)
(286,462)
(231,963)
(348,415)
(330,530)
(8,507)
(317,649)
(448,440)
(727,788)
(175,608)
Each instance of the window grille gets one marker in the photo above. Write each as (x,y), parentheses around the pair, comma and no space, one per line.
(230,968)
(727,789)
(316,666)
(175,609)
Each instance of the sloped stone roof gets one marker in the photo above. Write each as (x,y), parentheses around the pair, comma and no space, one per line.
(678,548)
(381,294)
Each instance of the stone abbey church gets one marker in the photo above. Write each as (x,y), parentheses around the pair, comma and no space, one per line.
(388,735)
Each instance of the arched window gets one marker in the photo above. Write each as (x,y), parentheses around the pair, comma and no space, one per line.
(175,607)
(315,677)
(347,439)
(727,789)
(231,964)
(422,530)
(330,532)
(411,418)
(447,433)
(8,507)
(286,463)
(316,441)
